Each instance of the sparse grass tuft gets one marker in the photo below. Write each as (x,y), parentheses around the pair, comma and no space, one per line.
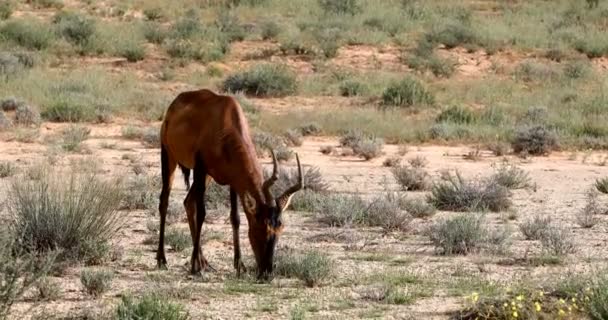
(406,93)
(535,228)
(352,88)
(385,211)
(27,115)
(141,192)
(178,239)
(338,210)
(31,33)
(48,289)
(96,282)
(457,194)
(456,114)
(274,80)
(510,176)
(587,217)
(369,148)
(340,7)
(419,208)
(150,307)
(73,136)
(312,267)
(6,9)
(556,241)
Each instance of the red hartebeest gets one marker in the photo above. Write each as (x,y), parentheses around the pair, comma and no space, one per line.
(208,133)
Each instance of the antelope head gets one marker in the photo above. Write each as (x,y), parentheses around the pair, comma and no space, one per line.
(266,228)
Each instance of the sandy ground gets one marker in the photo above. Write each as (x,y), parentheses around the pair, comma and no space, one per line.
(561,181)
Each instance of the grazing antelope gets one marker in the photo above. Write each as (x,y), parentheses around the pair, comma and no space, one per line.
(207,133)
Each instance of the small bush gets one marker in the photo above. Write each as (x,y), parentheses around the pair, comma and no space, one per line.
(132,51)
(340,7)
(308,201)
(150,307)
(406,93)
(535,228)
(392,161)
(264,141)
(151,137)
(352,88)
(10,104)
(311,267)
(154,32)
(48,289)
(7,169)
(313,180)
(461,234)
(457,194)
(27,115)
(283,153)
(533,71)
(411,178)
(602,185)
(352,138)
(5,122)
(6,9)
(577,70)
(536,140)
(153,13)
(178,239)
(385,211)
(73,136)
(56,4)
(270,30)
(511,177)
(556,241)
(456,114)
(74,212)
(587,217)
(369,148)
(419,208)
(230,26)
(418,162)
(96,282)
(30,34)
(452,35)
(598,298)
(273,80)
(75,28)
(19,271)
(310,129)
(339,210)
(64,111)
(294,137)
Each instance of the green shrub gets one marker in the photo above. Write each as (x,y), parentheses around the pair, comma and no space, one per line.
(533,71)
(19,271)
(341,7)
(457,194)
(535,228)
(6,9)
(150,307)
(270,30)
(154,32)
(48,289)
(75,28)
(307,200)
(456,114)
(406,93)
(311,267)
(461,234)
(352,88)
(75,212)
(131,50)
(338,210)
(385,211)
(187,26)
(598,298)
(577,69)
(73,136)
(510,176)
(96,282)
(178,239)
(602,185)
(534,140)
(411,178)
(452,35)
(65,111)
(230,26)
(263,80)
(30,34)
(153,13)
(418,208)
(368,148)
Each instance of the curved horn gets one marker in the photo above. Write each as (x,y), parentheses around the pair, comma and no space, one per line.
(270,181)
(283,200)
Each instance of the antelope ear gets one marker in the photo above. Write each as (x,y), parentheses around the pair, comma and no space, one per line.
(248,204)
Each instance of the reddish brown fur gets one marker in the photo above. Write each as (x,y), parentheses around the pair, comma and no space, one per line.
(208,133)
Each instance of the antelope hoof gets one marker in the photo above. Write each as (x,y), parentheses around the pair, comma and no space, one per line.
(206,266)
(240,268)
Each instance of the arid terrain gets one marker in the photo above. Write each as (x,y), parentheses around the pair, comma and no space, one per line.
(455,156)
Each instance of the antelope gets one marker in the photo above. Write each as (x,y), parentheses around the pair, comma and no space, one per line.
(207,133)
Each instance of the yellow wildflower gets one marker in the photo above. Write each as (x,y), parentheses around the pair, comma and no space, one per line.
(562,301)
(520,297)
(537,305)
(573,299)
(505,305)
(540,293)
(561,312)
(515,314)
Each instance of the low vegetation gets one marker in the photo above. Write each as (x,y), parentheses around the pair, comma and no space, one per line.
(311,267)
(407,93)
(463,234)
(272,80)
(455,193)
(150,307)
(96,282)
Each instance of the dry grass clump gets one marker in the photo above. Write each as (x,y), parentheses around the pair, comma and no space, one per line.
(72,138)
(534,140)
(273,80)
(365,146)
(587,217)
(411,178)
(601,185)
(418,208)
(339,210)
(533,229)
(464,234)
(511,177)
(455,193)
(385,211)
(96,282)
